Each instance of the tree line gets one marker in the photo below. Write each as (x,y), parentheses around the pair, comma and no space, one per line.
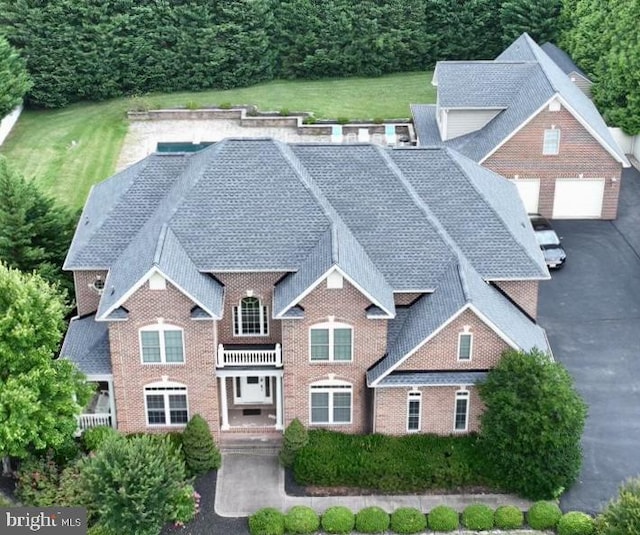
(79,50)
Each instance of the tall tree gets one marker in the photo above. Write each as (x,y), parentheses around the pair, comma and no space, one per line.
(14,80)
(39,396)
(532,424)
(35,232)
(539,19)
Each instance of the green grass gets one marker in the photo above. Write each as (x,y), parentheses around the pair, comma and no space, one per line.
(67,151)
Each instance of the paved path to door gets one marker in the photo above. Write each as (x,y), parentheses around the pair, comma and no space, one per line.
(248,482)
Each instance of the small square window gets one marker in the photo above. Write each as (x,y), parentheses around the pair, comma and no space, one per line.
(551,144)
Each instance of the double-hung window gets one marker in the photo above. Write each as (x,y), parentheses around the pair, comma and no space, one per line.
(166,404)
(161,344)
(331,342)
(331,402)
(250,318)
(461,416)
(465,346)
(551,143)
(414,410)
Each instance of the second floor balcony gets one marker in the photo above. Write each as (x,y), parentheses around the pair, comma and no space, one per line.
(249,355)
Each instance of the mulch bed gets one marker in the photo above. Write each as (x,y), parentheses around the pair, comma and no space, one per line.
(207,521)
(7,487)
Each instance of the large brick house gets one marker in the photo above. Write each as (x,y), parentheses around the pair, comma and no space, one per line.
(354,287)
(521,116)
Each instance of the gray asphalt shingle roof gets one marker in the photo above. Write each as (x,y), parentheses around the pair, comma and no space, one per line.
(562,59)
(523,78)
(86,344)
(437,378)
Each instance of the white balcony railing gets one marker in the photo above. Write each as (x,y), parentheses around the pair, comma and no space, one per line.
(249,357)
(87,421)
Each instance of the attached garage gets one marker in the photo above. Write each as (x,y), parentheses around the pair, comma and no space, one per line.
(529,190)
(578,198)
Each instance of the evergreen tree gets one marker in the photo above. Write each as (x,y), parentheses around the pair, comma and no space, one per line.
(200,452)
(14,80)
(539,19)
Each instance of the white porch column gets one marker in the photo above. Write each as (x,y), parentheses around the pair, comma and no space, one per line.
(224,414)
(279,390)
(112,404)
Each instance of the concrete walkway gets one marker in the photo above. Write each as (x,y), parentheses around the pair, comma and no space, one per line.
(248,482)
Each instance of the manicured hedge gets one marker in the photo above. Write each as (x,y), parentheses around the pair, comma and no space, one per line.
(267,521)
(576,523)
(544,515)
(338,519)
(372,520)
(411,463)
(508,517)
(443,518)
(477,517)
(301,519)
(408,520)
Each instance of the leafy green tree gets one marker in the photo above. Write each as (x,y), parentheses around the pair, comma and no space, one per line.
(14,79)
(532,424)
(539,19)
(39,397)
(622,515)
(132,484)
(200,452)
(35,232)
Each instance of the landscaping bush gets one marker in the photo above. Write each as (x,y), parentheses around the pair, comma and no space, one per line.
(412,463)
(267,521)
(99,529)
(72,491)
(200,452)
(184,506)
(38,480)
(576,523)
(95,437)
(544,515)
(150,471)
(622,515)
(301,519)
(295,438)
(408,520)
(443,518)
(477,517)
(372,520)
(508,517)
(338,519)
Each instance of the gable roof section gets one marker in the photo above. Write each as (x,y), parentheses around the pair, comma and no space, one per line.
(562,60)
(460,289)
(86,344)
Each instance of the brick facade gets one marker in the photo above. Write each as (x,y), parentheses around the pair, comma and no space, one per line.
(580,154)
(523,293)
(87,296)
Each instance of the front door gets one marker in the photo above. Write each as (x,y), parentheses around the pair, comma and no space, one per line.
(252,389)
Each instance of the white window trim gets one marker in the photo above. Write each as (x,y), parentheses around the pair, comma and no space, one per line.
(544,142)
(169,388)
(414,395)
(461,394)
(161,328)
(470,335)
(237,319)
(331,387)
(331,326)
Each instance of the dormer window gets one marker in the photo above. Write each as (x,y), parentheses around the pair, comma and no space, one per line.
(98,285)
(551,144)
(250,318)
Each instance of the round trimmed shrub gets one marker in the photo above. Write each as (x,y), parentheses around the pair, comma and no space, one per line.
(338,519)
(408,520)
(508,517)
(443,518)
(478,517)
(267,521)
(544,515)
(301,519)
(95,437)
(372,520)
(576,523)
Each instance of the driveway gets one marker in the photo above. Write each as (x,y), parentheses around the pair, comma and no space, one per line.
(591,310)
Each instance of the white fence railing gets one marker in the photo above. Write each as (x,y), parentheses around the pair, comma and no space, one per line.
(87,421)
(249,357)
(629,144)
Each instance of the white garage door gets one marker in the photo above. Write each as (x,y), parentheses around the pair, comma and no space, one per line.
(529,190)
(578,198)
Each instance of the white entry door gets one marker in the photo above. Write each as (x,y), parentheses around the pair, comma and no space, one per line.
(252,389)
(578,198)
(529,190)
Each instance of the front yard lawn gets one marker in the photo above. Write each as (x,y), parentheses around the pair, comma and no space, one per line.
(412,463)
(69,150)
